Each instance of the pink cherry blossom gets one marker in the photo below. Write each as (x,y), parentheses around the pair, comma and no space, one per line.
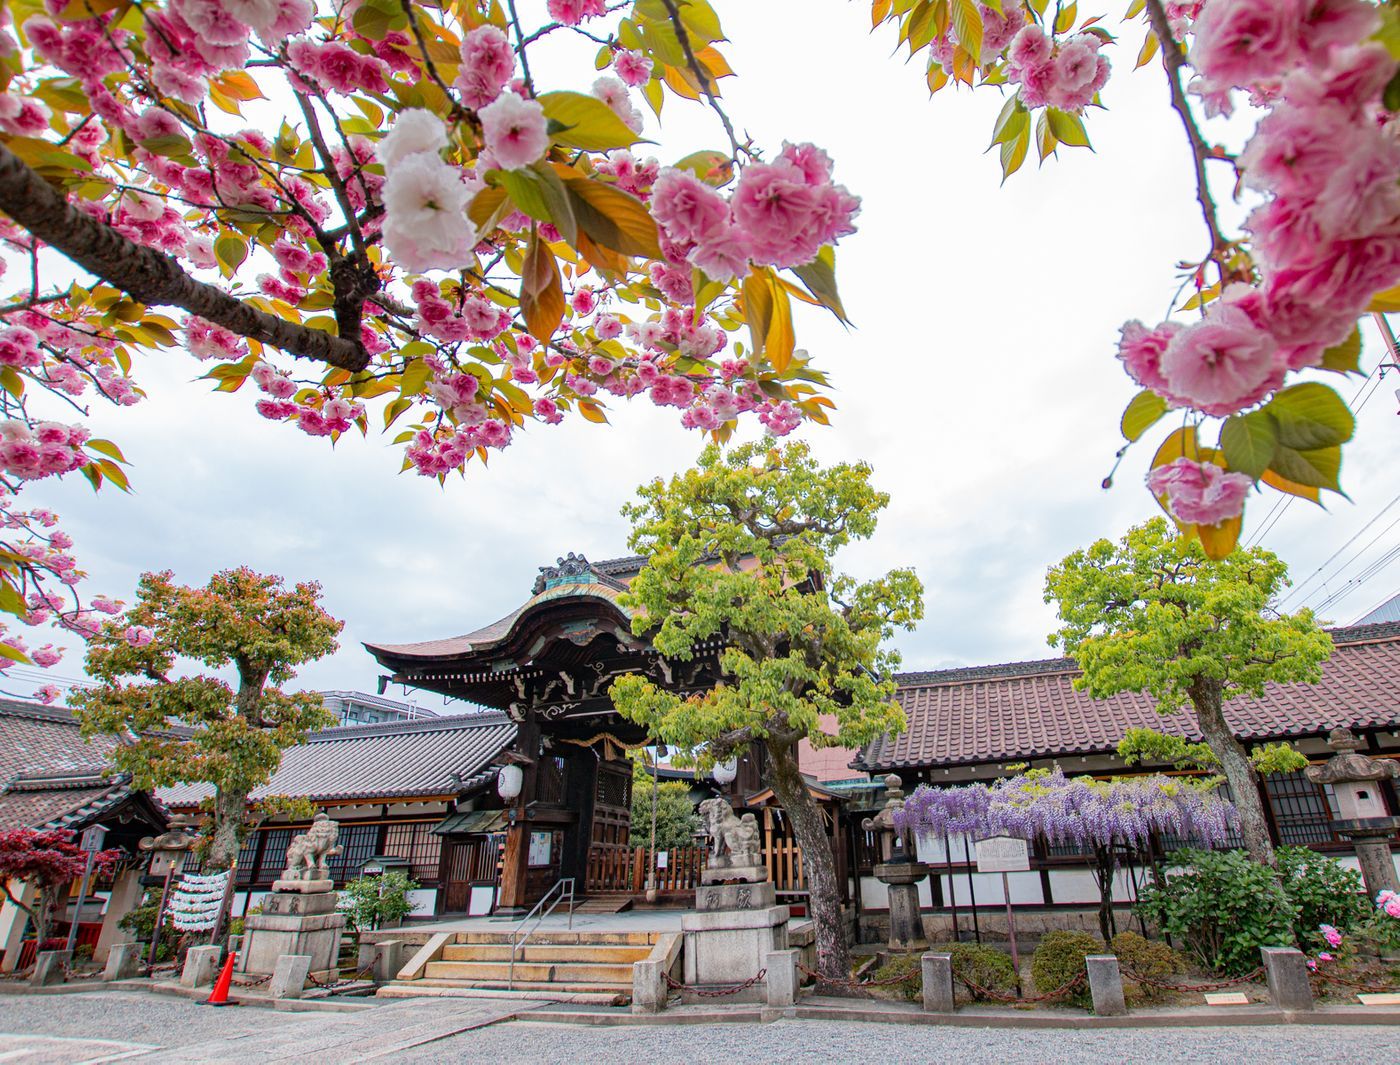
(632,67)
(1222,363)
(572,12)
(1141,349)
(1241,42)
(488,63)
(514,129)
(1200,493)
(686,208)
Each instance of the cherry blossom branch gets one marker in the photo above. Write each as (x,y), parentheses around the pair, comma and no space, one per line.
(520,37)
(150,277)
(1173,60)
(703,76)
(458,110)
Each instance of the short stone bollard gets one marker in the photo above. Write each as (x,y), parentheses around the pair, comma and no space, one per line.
(782,978)
(1286,970)
(289,977)
(649,990)
(123,961)
(938,983)
(201,966)
(383,960)
(51,967)
(1106,985)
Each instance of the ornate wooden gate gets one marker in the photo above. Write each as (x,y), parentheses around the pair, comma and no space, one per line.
(610,855)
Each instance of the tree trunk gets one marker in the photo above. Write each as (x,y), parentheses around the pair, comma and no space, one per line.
(230,811)
(833,956)
(1235,764)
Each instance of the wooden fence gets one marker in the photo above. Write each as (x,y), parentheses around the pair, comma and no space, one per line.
(624,870)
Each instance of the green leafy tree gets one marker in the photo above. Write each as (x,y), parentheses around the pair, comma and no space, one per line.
(676,823)
(193,728)
(1152,614)
(740,548)
(371,902)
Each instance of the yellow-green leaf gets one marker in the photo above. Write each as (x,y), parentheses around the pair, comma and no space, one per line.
(1143,411)
(581,121)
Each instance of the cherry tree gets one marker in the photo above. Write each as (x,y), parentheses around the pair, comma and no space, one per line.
(387,214)
(50,860)
(1258,312)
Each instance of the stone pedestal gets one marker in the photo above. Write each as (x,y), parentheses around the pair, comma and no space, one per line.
(201,966)
(294,921)
(1106,985)
(902,880)
(124,961)
(938,983)
(289,977)
(729,940)
(384,959)
(50,967)
(1371,837)
(1287,973)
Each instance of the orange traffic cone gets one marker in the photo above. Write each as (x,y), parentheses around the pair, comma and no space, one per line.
(219,997)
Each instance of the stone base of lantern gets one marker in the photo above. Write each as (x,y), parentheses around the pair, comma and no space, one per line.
(1371,837)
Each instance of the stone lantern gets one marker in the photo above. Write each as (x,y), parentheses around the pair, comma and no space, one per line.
(898,871)
(169,850)
(1356,783)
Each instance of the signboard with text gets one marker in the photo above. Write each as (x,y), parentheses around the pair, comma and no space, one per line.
(1003,854)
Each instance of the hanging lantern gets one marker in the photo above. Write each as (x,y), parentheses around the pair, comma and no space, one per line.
(509,781)
(725,772)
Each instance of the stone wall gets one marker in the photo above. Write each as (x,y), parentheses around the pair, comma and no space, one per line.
(1031,923)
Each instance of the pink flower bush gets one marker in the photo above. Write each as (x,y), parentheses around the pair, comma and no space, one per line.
(1388,902)
(514,129)
(1199,493)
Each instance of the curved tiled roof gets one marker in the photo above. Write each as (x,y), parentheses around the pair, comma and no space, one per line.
(401,759)
(37,738)
(1022,710)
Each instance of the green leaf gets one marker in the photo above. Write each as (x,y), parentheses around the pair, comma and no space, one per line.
(1013,151)
(1317,468)
(712,167)
(14,654)
(1391,97)
(585,122)
(1346,356)
(613,218)
(820,278)
(1309,416)
(106,447)
(1068,128)
(230,250)
(12,382)
(1143,412)
(1248,441)
(967,22)
(415,376)
(1010,121)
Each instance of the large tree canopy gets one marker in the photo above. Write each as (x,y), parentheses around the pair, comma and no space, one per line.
(1151,613)
(740,549)
(182,727)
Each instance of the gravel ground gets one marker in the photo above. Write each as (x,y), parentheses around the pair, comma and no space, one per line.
(795,1041)
(188,1033)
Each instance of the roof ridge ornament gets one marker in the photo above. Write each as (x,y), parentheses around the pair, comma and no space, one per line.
(570,569)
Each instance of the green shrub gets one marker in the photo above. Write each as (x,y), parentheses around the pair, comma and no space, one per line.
(908,966)
(984,966)
(1324,891)
(82,952)
(1223,907)
(374,901)
(1144,957)
(1059,959)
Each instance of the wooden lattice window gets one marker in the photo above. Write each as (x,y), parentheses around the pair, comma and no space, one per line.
(274,854)
(418,844)
(1300,809)
(358,844)
(549,781)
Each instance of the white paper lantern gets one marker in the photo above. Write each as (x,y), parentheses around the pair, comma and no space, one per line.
(725,772)
(509,781)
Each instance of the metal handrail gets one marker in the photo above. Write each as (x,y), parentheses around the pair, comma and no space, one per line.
(565,889)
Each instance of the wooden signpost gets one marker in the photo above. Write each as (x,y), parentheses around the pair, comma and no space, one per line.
(1005,854)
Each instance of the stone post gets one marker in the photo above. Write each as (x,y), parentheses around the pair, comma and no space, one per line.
(50,967)
(938,983)
(1287,972)
(289,977)
(649,989)
(1106,985)
(201,966)
(383,959)
(123,961)
(782,979)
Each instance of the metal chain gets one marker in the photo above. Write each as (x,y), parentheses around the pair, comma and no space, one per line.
(1210,985)
(360,975)
(857,984)
(1372,989)
(1001,996)
(251,981)
(704,991)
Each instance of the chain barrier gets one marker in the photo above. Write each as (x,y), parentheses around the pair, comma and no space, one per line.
(858,984)
(1342,981)
(1210,985)
(360,976)
(709,991)
(1001,996)
(251,981)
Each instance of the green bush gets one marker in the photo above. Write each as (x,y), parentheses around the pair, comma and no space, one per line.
(1223,907)
(1324,891)
(908,966)
(1059,959)
(141,920)
(1151,958)
(374,901)
(984,966)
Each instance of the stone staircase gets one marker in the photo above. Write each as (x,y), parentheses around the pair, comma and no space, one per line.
(591,967)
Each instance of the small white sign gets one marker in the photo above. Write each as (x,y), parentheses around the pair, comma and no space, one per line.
(1003,854)
(662,858)
(92,837)
(1227,998)
(1382,999)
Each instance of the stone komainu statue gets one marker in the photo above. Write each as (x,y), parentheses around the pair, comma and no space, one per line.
(308,852)
(736,836)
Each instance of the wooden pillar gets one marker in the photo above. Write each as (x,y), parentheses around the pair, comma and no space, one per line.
(515,865)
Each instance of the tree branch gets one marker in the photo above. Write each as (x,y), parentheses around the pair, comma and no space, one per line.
(1174,60)
(705,79)
(154,279)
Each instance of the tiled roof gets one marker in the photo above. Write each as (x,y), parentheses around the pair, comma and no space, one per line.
(1023,710)
(50,806)
(37,738)
(434,756)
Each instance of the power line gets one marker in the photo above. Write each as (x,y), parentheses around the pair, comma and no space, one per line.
(1299,587)
(1376,606)
(1361,578)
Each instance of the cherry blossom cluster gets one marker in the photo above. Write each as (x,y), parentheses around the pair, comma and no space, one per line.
(1326,239)
(45,449)
(1063,74)
(780,214)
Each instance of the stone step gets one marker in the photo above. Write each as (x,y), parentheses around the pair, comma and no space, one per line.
(546,952)
(542,936)
(551,993)
(529,972)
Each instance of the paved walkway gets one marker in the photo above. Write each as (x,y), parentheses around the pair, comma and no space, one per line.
(133,1026)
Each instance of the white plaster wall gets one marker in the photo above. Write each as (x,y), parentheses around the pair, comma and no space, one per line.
(424,902)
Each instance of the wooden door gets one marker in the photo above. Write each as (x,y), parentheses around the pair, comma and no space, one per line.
(611,862)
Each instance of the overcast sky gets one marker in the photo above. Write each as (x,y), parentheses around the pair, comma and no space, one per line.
(979,381)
